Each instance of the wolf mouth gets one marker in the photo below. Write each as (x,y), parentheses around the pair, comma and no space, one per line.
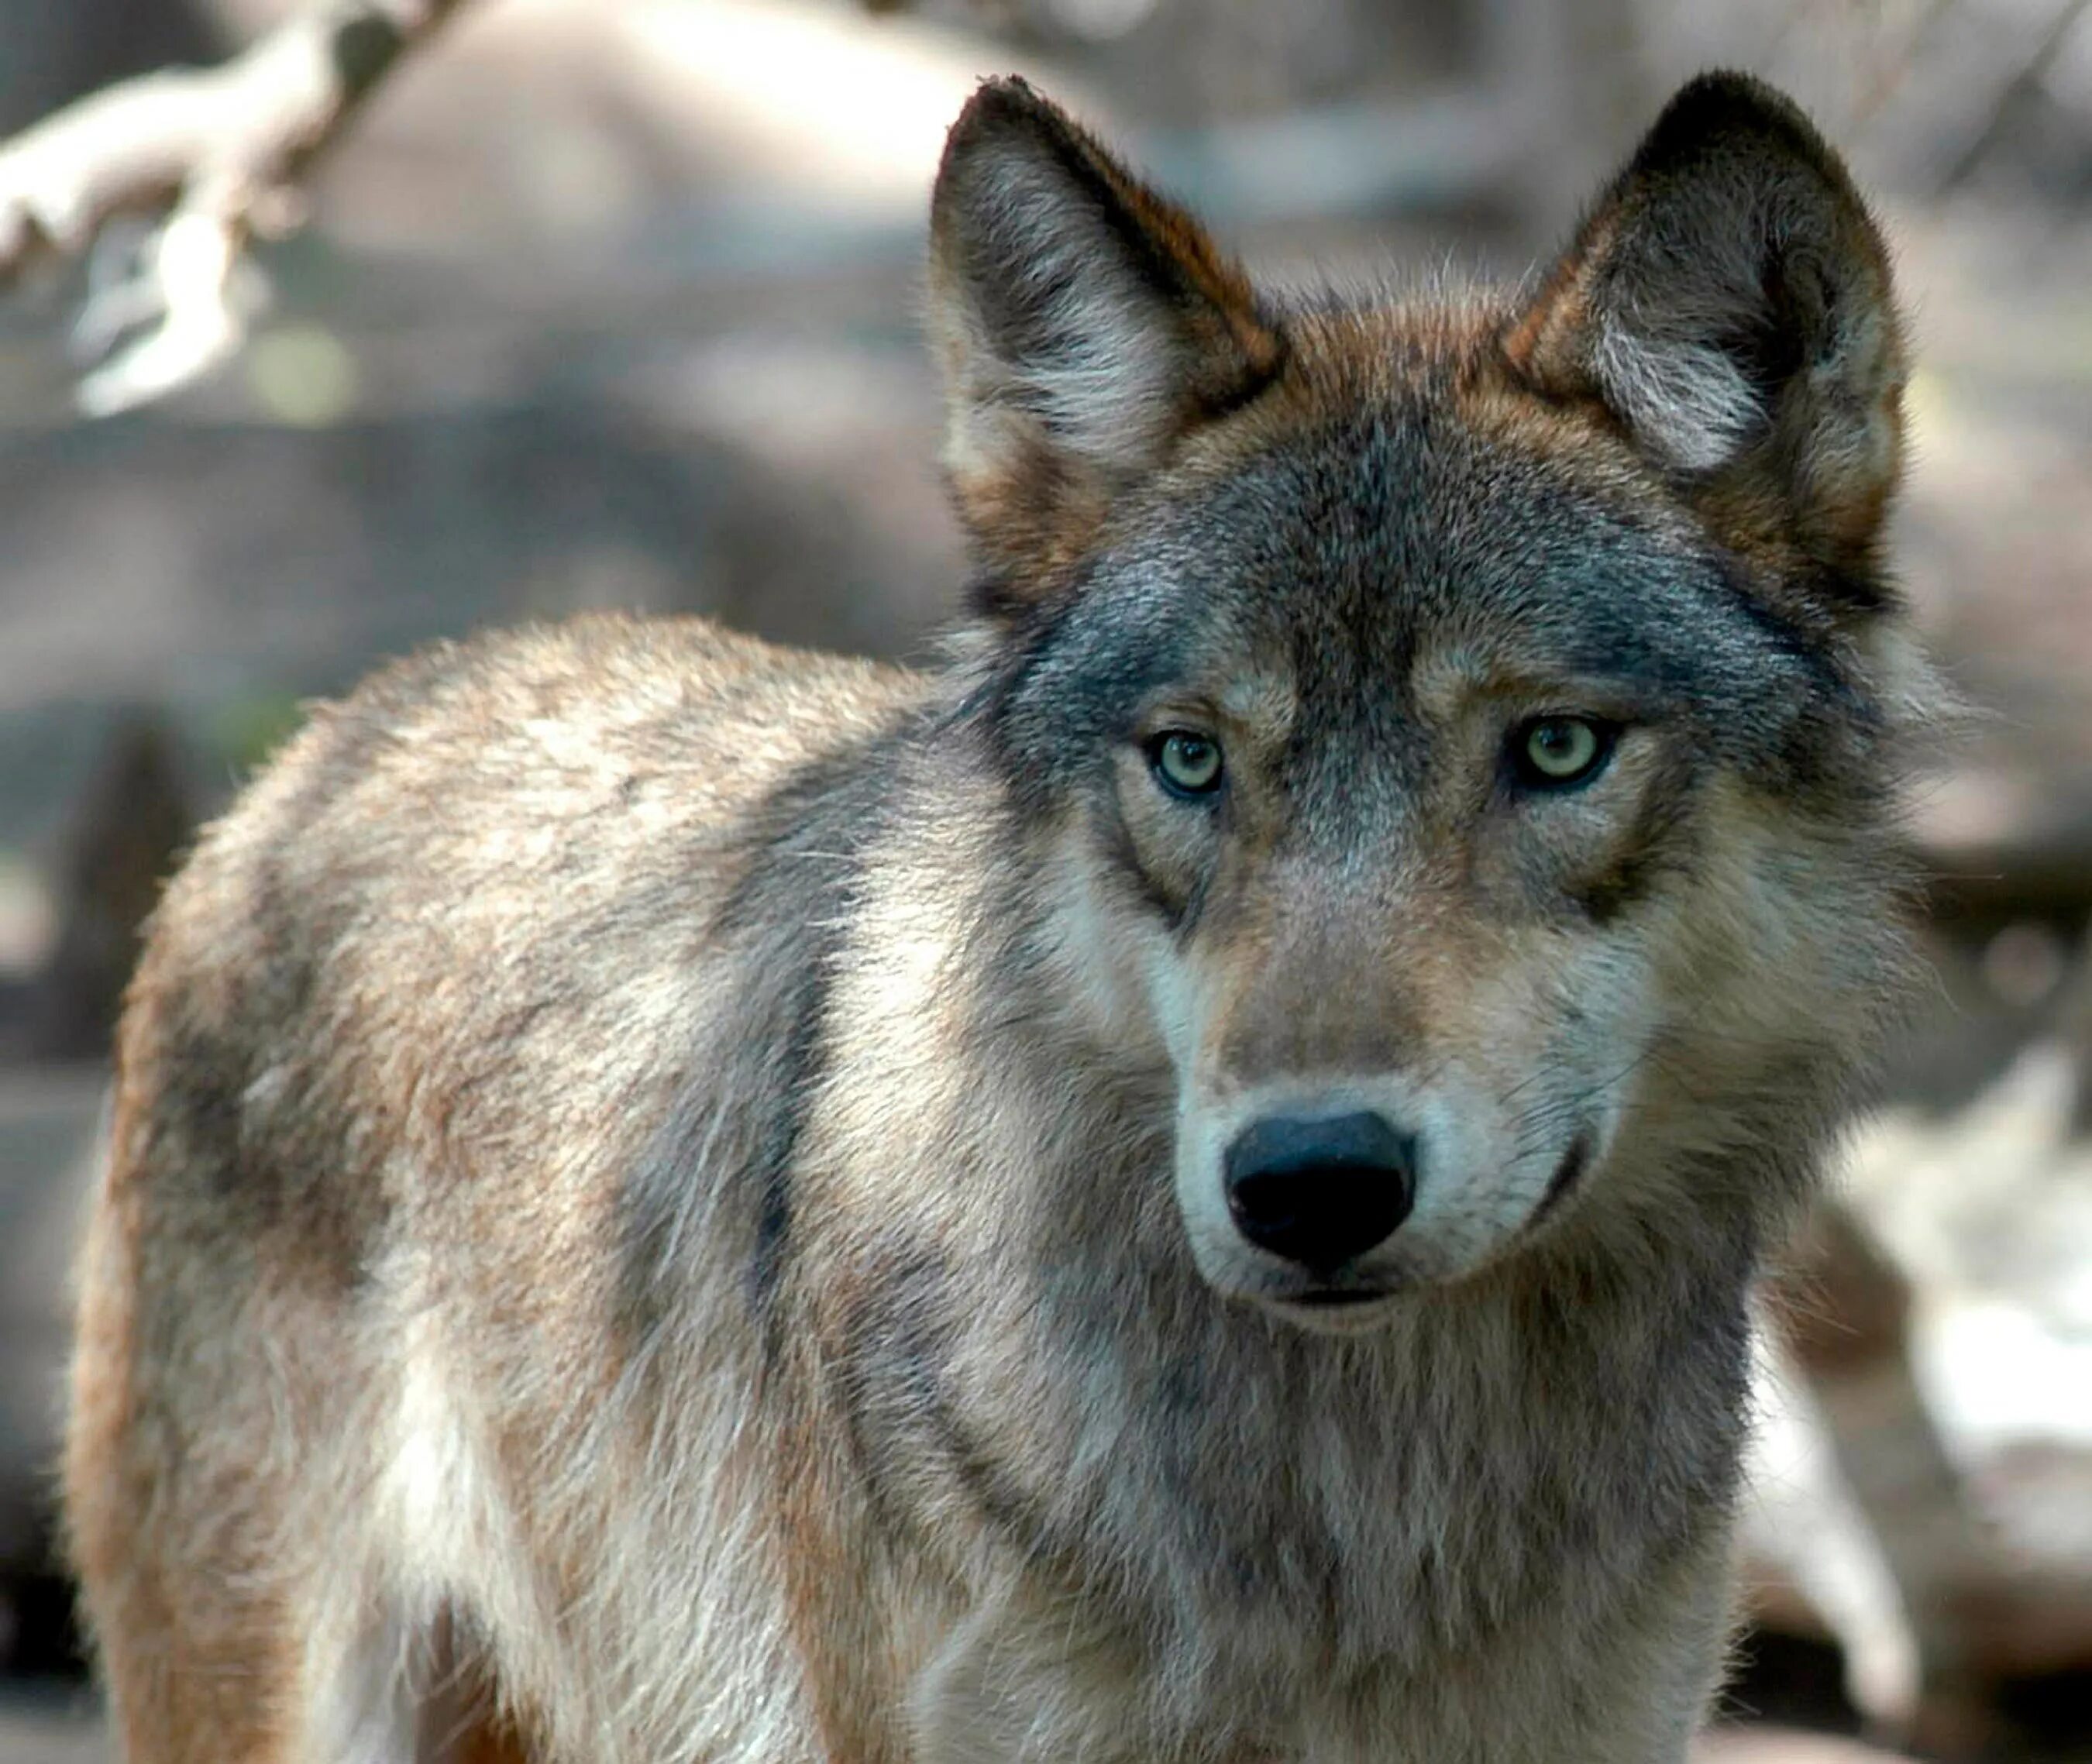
(1336,1310)
(1335,1298)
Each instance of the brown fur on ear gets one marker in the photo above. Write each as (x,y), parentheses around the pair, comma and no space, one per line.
(1085,323)
(1728,302)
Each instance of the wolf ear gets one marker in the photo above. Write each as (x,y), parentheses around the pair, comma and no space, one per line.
(1085,324)
(1727,299)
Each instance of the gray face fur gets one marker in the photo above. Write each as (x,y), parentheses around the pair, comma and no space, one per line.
(1365,551)
(1374,911)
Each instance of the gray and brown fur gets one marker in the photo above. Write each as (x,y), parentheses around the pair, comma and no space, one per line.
(664,1202)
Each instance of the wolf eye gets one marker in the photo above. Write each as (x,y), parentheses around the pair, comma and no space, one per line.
(1551,752)
(1186,764)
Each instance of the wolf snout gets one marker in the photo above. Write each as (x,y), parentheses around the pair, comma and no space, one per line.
(1320,1192)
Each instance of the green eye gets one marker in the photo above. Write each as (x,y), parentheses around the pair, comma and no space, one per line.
(1553,751)
(1186,764)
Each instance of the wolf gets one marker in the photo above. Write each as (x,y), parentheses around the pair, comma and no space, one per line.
(1183,1185)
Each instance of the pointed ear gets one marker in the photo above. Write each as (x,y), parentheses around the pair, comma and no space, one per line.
(1728,301)
(1085,325)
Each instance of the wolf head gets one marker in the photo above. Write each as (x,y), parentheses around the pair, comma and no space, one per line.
(1457,736)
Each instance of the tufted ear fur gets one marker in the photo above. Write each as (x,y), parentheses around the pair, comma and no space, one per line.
(1728,301)
(1085,324)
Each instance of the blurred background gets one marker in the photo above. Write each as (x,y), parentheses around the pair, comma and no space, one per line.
(613,303)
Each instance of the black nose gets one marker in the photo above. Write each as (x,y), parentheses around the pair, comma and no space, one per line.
(1320,1192)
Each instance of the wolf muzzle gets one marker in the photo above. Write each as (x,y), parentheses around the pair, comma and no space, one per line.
(1320,1192)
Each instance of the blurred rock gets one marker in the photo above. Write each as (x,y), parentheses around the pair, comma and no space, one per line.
(127,834)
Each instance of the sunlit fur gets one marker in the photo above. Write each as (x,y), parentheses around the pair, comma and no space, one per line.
(665,1194)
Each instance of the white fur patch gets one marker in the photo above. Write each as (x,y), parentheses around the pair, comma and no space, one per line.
(1102,385)
(438,1527)
(1687,401)
(1093,357)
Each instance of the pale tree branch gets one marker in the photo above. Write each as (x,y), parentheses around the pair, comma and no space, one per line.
(220,151)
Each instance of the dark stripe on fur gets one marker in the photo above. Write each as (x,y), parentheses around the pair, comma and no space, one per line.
(1659,842)
(301,1183)
(906,1425)
(1117,841)
(781,932)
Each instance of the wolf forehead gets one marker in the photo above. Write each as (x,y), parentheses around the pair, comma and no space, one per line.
(1380,547)
(1657,474)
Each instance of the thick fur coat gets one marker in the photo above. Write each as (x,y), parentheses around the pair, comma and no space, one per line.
(672,1199)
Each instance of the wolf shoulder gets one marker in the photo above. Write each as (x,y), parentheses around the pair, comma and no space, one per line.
(479,900)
